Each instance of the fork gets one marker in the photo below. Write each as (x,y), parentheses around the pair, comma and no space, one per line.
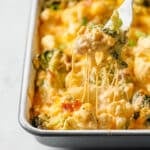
(125,13)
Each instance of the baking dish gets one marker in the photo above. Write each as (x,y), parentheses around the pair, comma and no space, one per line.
(69,138)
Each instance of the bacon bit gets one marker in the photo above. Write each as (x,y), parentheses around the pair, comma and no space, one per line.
(67,106)
(76,104)
(71,106)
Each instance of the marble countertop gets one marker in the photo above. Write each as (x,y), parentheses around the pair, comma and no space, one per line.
(13,29)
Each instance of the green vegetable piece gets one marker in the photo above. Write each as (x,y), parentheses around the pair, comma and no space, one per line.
(131,43)
(84,21)
(110,32)
(55,5)
(116,21)
(62,47)
(120,37)
(141,98)
(36,122)
(140,34)
(45,58)
(40,121)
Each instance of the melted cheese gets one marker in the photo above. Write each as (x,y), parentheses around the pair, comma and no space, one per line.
(86,89)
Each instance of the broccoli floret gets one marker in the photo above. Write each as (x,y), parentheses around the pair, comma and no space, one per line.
(146,100)
(141,99)
(51,62)
(121,39)
(116,50)
(84,21)
(42,61)
(40,121)
(45,58)
(36,122)
(48,60)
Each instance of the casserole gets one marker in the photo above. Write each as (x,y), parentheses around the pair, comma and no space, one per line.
(69,138)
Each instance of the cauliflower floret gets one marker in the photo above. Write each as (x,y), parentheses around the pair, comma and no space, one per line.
(48,42)
(121,122)
(76,92)
(70,124)
(91,40)
(120,108)
(48,14)
(140,99)
(142,69)
(116,115)
(142,61)
(115,93)
(106,121)
(45,15)
(144,42)
(45,83)
(85,117)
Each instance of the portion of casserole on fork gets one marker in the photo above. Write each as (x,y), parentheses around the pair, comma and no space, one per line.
(89,77)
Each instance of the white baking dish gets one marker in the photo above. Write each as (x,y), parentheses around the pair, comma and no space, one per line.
(69,138)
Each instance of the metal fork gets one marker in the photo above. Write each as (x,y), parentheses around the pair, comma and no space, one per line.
(125,13)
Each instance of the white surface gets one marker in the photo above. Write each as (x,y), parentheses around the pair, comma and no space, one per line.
(13,25)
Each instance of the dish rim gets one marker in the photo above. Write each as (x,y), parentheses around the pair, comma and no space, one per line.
(24,88)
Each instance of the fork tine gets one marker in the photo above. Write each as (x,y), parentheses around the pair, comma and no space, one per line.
(125,14)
